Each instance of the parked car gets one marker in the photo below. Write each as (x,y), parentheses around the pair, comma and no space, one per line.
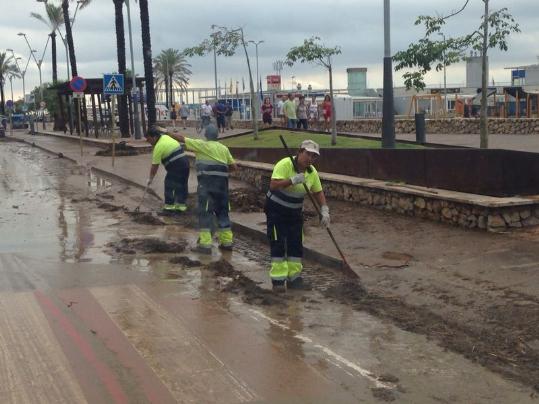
(20,121)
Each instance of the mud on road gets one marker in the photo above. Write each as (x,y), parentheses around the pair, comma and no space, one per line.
(456,301)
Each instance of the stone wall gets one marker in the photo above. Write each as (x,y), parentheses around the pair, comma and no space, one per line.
(521,126)
(423,204)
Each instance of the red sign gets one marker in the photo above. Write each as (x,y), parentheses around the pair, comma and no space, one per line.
(78,84)
(273,79)
(274,82)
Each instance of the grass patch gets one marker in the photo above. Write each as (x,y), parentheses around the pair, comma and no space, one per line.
(270,138)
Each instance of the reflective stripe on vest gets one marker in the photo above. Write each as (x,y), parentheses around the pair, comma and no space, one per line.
(286,199)
(176,154)
(213,168)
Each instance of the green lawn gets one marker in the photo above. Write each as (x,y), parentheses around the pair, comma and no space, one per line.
(270,138)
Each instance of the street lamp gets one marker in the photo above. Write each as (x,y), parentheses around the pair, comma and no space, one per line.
(256,43)
(388,119)
(38,63)
(21,72)
(215,61)
(445,76)
(134,89)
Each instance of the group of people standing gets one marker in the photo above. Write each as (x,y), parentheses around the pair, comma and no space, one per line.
(290,180)
(303,115)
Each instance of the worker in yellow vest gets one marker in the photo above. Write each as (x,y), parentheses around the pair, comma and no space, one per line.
(170,153)
(284,213)
(213,164)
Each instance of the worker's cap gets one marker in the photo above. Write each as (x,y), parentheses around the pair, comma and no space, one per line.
(211,132)
(154,131)
(310,146)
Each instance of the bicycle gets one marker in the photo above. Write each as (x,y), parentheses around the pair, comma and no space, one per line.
(202,123)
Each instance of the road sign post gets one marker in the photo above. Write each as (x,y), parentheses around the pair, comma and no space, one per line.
(113,85)
(78,85)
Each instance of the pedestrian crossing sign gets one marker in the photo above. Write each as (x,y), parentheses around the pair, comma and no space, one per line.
(113,84)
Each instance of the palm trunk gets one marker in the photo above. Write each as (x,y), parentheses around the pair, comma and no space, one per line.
(166,89)
(120,46)
(53,56)
(484,100)
(69,38)
(72,59)
(171,99)
(2,99)
(333,117)
(147,55)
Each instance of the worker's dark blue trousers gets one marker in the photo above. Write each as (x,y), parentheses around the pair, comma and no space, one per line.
(176,181)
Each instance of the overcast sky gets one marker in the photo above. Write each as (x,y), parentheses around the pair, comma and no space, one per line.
(354,25)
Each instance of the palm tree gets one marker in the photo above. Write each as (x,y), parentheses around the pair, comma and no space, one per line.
(147,56)
(6,68)
(120,47)
(171,68)
(53,20)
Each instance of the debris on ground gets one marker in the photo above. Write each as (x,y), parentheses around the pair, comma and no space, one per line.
(146,218)
(246,200)
(185,262)
(121,149)
(251,292)
(109,207)
(146,246)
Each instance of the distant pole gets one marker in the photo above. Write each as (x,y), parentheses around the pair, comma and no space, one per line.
(388,119)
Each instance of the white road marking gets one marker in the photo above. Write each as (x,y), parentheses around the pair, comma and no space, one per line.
(333,355)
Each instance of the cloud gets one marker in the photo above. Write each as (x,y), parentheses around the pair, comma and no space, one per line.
(354,25)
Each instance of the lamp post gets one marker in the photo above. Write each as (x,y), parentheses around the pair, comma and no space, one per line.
(21,72)
(388,120)
(445,76)
(256,43)
(215,61)
(38,64)
(134,89)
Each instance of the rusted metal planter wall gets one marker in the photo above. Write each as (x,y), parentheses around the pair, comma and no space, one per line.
(484,172)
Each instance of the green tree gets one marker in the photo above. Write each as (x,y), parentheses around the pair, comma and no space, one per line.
(224,41)
(429,52)
(312,51)
(54,19)
(6,68)
(171,68)
(123,112)
(147,57)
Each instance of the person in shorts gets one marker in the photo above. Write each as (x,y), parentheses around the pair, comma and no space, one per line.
(184,114)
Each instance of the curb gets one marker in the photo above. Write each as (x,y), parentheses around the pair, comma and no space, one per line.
(258,235)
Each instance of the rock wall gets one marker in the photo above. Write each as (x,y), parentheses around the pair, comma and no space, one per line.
(435,208)
(520,126)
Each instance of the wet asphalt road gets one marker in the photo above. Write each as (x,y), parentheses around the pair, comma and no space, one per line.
(81,323)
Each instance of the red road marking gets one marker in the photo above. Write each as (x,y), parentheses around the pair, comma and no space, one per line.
(105,374)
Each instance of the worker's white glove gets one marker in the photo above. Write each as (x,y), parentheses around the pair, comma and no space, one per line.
(298,179)
(149,181)
(324,218)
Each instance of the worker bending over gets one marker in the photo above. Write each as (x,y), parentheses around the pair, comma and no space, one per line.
(213,163)
(284,213)
(170,153)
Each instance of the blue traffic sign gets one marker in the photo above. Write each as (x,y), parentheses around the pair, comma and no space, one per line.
(113,84)
(9,104)
(78,84)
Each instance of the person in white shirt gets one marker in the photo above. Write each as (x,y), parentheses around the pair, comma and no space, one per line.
(280,113)
(205,113)
(313,114)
